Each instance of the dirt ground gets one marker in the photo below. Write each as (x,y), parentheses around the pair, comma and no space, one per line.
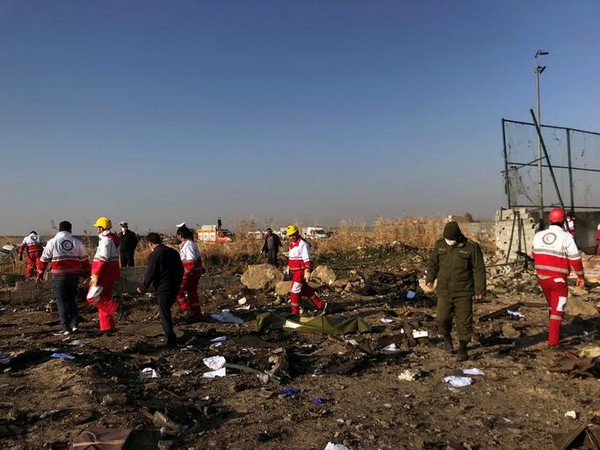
(342,389)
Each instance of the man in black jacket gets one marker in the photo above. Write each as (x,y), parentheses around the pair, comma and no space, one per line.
(129,242)
(271,246)
(164,273)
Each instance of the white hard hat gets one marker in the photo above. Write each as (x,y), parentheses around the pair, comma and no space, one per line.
(179,225)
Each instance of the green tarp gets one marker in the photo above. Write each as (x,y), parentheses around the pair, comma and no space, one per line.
(314,325)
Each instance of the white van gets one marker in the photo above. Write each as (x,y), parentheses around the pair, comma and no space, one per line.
(314,233)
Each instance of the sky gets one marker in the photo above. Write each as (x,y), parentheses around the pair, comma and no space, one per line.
(278,111)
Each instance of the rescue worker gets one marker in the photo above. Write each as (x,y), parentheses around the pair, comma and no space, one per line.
(34,246)
(457,264)
(555,254)
(300,266)
(105,273)
(68,258)
(569,224)
(129,242)
(164,273)
(187,298)
(271,247)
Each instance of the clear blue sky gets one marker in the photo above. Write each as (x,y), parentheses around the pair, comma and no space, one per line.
(304,110)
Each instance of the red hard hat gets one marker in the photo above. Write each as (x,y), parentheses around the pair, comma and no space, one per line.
(557,215)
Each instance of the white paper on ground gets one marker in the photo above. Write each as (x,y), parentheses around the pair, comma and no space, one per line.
(515,313)
(456,381)
(420,334)
(389,348)
(214,373)
(219,339)
(384,320)
(411,294)
(214,362)
(473,372)
(148,373)
(332,446)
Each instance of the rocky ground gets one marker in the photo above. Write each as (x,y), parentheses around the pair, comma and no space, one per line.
(294,390)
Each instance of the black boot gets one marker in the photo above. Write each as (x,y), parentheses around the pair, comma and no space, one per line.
(448,347)
(462,354)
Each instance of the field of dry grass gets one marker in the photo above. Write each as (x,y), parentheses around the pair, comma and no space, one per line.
(419,233)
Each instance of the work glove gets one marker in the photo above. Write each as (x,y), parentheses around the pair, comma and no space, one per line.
(287,276)
(306,275)
(93,280)
(581,283)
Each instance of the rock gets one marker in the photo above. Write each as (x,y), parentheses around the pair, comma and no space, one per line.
(282,288)
(410,375)
(578,307)
(509,331)
(261,276)
(325,274)
(340,284)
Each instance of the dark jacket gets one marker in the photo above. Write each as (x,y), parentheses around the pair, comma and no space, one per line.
(164,271)
(275,243)
(129,241)
(459,268)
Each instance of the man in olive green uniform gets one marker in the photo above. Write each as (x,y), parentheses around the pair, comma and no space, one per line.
(457,263)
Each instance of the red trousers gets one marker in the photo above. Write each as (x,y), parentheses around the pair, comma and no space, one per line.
(106,305)
(301,289)
(556,291)
(187,298)
(33,260)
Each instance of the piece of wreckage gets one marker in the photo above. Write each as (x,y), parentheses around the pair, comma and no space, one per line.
(330,325)
(384,283)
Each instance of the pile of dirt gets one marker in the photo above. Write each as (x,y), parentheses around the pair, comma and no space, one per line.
(383,388)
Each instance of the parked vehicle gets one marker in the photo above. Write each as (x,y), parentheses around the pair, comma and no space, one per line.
(213,235)
(314,233)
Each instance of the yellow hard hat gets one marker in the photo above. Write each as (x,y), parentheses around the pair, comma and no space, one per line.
(103,222)
(291,230)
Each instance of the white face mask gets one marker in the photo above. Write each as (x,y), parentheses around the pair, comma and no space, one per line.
(449,242)
(123,229)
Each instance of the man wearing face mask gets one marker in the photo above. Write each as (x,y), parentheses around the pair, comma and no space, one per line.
(457,264)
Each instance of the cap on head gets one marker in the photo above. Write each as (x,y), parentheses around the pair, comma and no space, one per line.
(32,232)
(291,230)
(269,230)
(557,215)
(103,222)
(123,223)
(451,231)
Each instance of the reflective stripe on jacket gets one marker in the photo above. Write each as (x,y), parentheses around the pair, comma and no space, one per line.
(555,254)
(299,257)
(66,254)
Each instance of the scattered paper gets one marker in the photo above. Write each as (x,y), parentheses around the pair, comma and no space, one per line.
(411,294)
(420,334)
(456,381)
(571,414)
(148,373)
(473,372)
(214,373)
(390,348)
(215,362)
(219,339)
(332,446)
(384,320)
(515,313)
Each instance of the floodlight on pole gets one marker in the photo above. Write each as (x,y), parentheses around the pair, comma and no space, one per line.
(538,70)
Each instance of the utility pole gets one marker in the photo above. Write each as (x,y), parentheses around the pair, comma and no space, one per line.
(538,70)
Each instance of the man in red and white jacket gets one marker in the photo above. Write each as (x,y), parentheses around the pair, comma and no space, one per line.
(187,298)
(34,246)
(105,273)
(300,266)
(69,260)
(555,254)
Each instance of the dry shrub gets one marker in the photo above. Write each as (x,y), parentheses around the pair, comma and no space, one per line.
(408,231)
